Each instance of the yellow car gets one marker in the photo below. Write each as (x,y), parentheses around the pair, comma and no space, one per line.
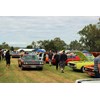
(86,59)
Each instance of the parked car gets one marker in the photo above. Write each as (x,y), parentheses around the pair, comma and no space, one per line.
(89,69)
(86,58)
(69,58)
(97,80)
(95,53)
(72,58)
(15,54)
(30,61)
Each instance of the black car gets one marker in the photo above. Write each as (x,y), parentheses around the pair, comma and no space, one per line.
(30,61)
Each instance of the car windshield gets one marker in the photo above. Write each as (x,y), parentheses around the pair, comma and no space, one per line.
(30,57)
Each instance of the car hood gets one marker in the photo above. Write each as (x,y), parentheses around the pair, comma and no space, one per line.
(83,57)
(77,62)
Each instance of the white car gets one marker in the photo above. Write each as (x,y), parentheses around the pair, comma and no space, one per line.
(94,80)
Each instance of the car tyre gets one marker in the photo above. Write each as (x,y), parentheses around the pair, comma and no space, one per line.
(41,68)
(83,69)
(22,68)
(74,69)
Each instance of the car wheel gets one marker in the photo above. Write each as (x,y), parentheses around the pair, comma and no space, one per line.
(74,69)
(83,69)
(41,68)
(22,68)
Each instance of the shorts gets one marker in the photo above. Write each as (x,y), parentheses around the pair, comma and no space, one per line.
(62,64)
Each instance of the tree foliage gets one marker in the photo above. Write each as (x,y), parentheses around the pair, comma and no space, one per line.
(90,37)
(55,44)
(12,48)
(4,45)
(33,44)
(29,47)
(75,45)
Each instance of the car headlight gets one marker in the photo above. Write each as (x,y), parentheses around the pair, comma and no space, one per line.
(41,62)
(68,64)
(25,63)
(75,66)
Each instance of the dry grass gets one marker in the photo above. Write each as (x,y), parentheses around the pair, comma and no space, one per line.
(48,75)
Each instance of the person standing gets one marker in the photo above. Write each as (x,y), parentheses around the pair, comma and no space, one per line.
(44,58)
(50,55)
(62,63)
(56,57)
(97,66)
(7,57)
(0,54)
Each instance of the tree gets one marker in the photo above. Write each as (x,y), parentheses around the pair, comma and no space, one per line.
(90,37)
(29,47)
(12,48)
(4,45)
(44,44)
(59,44)
(75,45)
(55,44)
(34,44)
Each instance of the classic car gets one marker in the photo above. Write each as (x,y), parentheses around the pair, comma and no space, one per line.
(15,54)
(30,61)
(89,69)
(69,58)
(95,53)
(85,59)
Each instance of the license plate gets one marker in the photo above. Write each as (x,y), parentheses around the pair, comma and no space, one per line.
(32,66)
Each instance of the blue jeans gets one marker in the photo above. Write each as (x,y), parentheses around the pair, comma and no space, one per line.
(97,74)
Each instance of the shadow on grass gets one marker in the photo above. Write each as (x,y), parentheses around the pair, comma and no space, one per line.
(32,69)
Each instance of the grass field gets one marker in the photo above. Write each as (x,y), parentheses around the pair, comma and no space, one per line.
(48,75)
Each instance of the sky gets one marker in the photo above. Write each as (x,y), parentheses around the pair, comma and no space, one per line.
(22,30)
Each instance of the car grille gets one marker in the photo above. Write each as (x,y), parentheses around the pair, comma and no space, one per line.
(71,65)
(31,62)
(88,69)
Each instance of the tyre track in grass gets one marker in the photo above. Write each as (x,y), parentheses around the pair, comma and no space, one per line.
(48,75)
(33,76)
(20,75)
(28,76)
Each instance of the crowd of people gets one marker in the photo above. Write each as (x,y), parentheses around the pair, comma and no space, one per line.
(60,60)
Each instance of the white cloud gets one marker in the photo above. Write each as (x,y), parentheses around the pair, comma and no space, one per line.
(25,29)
